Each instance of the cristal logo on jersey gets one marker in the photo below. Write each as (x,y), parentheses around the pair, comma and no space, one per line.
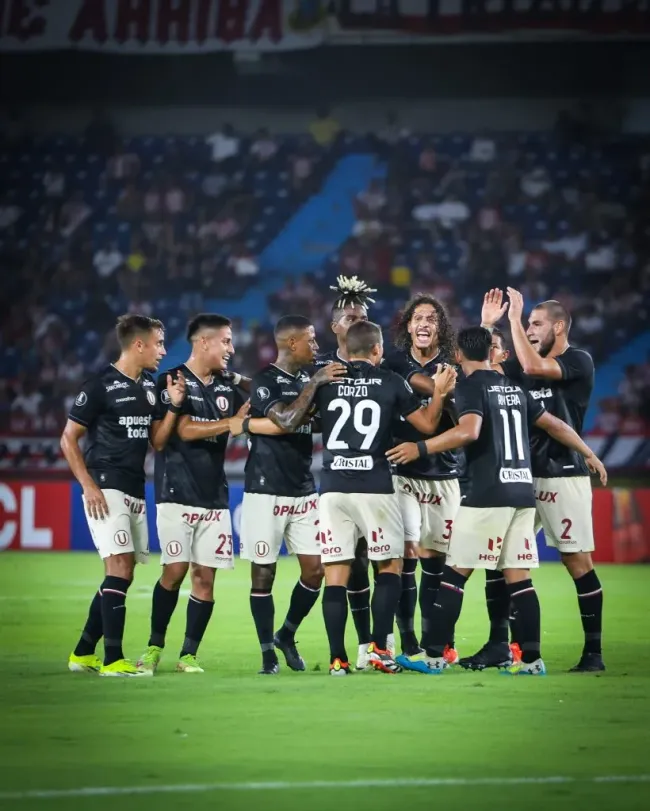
(352,463)
(509,475)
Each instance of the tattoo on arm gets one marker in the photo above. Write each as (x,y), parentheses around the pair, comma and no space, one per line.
(289,416)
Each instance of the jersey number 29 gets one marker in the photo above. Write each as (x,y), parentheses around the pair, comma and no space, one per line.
(366,426)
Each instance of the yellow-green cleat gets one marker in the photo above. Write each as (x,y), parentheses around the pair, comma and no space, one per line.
(189,664)
(150,659)
(84,664)
(123,668)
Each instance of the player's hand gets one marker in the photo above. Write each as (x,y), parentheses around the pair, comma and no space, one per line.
(445,379)
(243,410)
(596,466)
(96,505)
(516,310)
(236,424)
(493,307)
(403,454)
(176,389)
(329,373)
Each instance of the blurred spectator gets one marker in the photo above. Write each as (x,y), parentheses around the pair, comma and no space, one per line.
(129,203)
(536,183)
(263,147)
(483,149)
(54,182)
(225,145)
(324,128)
(107,260)
(9,212)
(73,213)
(123,165)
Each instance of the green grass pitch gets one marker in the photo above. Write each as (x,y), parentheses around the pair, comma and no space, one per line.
(226,732)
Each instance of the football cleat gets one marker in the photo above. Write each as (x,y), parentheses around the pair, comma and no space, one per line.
(84,664)
(123,668)
(589,663)
(390,644)
(362,656)
(269,669)
(150,659)
(492,654)
(382,660)
(339,668)
(293,659)
(421,663)
(536,668)
(189,664)
(515,650)
(450,655)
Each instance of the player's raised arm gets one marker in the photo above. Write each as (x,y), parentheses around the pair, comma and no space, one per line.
(565,435)
(163,424)
(289,416)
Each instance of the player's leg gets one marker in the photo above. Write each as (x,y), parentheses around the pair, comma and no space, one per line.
(407,496)
(564,506)
(175,531)
(359,599)
(212,549)
(262,529)
(84,659)
(338,535)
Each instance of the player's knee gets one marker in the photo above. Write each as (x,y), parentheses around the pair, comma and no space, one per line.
(203,582)
(393,566)
(577,564)
(410,550)
(120,566)
(262,577)
(173,575)
(311,571)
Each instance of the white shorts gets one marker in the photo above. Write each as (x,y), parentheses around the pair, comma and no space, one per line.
(124,529)
(564,511)
(266,520)
(346,517)
(196,535)
(428,510)
(494,538)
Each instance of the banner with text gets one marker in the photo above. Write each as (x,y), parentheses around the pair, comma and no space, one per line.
(473,18)
(160,26)
(49,516)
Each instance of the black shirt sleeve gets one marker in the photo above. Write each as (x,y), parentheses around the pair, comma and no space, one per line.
(469,399)
(406,401)
(265,392)
(575,364)
(397,363)
(512,368)
(88,404)
(535,409)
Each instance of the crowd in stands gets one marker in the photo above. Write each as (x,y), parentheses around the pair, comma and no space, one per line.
(91,227)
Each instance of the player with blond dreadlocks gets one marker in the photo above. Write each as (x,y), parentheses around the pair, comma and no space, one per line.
(428,488)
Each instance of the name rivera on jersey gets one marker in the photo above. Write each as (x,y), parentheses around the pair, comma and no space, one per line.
(509,396)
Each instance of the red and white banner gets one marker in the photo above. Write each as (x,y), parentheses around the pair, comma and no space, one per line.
(537,19)
(160,26)
(34,516)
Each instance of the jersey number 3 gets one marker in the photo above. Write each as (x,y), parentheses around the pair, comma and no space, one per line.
(367,426)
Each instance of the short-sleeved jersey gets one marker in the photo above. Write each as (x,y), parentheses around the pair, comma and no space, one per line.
(117,411)
(499,472)
(357,414)
(445,465)
(192,473)
(568,400)
(279,465)
(325,358)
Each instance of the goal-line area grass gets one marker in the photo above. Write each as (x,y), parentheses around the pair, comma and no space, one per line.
(232,739)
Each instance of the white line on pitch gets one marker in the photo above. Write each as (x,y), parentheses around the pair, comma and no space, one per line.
(424,782)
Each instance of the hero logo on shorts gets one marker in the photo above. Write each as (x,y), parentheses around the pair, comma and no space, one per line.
(511,475)
(222,403)
(165,397)
(82,399)
(174,549)
(151,397)
(263,393)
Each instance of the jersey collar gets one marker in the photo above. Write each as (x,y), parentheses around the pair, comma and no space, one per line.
(120,372)
(284,371)
(197,378)
(434,358)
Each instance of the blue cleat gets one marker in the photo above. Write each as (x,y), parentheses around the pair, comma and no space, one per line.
(421,663)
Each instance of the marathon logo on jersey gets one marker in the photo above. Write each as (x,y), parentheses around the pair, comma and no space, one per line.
(206,517)
(293,394)
(124,399)
(136,432)
(285,509)
(509,475)
(352,463)
(117,384)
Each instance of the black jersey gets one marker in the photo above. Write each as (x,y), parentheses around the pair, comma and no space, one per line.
(192,473)
(445,465)
(498,472)
(279,465)
(357,414)
(325,358)
(117,411)
(568,400)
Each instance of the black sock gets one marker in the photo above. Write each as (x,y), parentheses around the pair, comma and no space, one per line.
(163,604)
(263,611)
(405,614)
(497,599)
(429,585)
(446,610)
(528,618)
(92,631)
(198,617)
(335,614)
(385,598)
(114,591)
(303,599)
(590,599)
(359,597)
(375,571)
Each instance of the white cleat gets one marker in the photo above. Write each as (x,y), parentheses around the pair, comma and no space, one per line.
(390,644)
(363,659)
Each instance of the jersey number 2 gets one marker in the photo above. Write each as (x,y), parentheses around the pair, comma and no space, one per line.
(367,428)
